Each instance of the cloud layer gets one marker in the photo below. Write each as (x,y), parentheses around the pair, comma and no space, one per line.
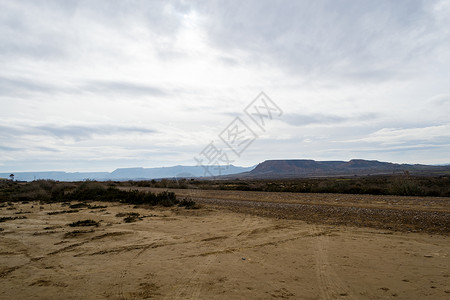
(96,85)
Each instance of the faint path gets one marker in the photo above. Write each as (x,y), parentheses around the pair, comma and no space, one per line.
(330,284)
(191,286)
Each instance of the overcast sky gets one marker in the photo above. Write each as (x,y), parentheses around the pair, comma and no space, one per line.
(98,85)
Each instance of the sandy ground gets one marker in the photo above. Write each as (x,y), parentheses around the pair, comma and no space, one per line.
(211,253)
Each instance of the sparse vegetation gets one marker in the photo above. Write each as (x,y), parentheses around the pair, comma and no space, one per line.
(4,219)
(95,191)
(88,222)
(50,227)
(63,212)
(188,203)
(130,217)
(79,205)
(47,191)
(76,233)
(401,185)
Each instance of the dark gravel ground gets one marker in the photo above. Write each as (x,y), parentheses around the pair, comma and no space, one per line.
(407,220)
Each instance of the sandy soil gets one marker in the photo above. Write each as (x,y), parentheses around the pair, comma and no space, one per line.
(211,253)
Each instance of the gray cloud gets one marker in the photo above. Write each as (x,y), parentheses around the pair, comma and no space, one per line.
(441,100)
(48,149)
(400,149)
(27,31)
(79,132)
(301,120)
(6,148)
(33,29)
(368,40)
(129,88)
(14,86)
(160,16)
(25,86)
(322,119)
(76,132)
(66,60)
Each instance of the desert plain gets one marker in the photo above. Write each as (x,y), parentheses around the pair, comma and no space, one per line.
(234,245)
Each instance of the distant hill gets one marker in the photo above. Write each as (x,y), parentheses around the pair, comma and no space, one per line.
(176,171)
(296,168)
(132,173)
(312,168)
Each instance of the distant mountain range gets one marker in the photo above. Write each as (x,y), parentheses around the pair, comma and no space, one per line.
(132,173)
(268,169)
(312,168)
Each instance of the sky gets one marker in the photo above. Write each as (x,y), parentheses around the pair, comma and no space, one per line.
(100,85)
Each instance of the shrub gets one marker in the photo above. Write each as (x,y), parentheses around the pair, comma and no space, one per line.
(84,223)
(122,214)
(404,186)
(57,192)
(4,219)
(50,191)
(79,205)
(129,217)
(63,212)
(88,190)
(188,203)
(167,198)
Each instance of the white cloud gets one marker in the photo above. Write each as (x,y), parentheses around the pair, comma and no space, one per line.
(432,134)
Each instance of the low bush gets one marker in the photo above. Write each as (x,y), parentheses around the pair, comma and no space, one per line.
(125,214)
(4,219)
(79,205)
(188,203)
(129,217)
(84,223)
(47,191)
(63,212)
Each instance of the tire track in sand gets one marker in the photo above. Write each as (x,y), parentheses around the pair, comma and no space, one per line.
(191,287)
(331,286)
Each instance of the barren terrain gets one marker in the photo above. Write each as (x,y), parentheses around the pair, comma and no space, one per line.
(400,213)
(226,249)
